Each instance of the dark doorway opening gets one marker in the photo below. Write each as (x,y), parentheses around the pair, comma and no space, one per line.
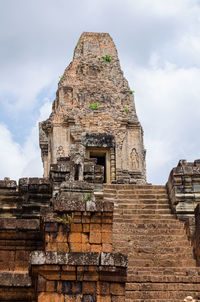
(101,160)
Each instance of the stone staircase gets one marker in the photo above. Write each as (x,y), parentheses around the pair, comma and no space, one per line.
(161,262)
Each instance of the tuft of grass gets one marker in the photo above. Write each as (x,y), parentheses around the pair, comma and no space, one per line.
(67,219)
(126,109)
(132,91)
(61,77)
(94,105)
(87,197)
(107,58)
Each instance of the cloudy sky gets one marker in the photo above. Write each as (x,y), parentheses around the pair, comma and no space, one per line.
(158,42)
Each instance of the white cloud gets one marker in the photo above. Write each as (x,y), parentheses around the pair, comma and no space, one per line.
(22,161)
(167,102)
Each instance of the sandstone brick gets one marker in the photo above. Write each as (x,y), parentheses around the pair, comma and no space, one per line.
(103,288)
(60,237)
(117,289)
(68,268)
(85,238)
(58,287)
(95,237)
(95,227)
(103,299)
(86,247)
(76,227)
(75,237)
(50,286)
(62,247)
(96,248)
(106,227)
(107,237)
(68,276)
(51,246)
(50,297)
(118,299)
(86,227)
(89,287)
(76,247)
(106,247)
(96,219)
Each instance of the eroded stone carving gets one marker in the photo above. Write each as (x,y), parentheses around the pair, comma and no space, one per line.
(60,152)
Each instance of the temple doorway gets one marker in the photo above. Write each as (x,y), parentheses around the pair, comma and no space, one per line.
(103,158)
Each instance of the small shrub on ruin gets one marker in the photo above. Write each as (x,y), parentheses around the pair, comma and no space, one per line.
(132,91)
(94,105)
(66,220)
(87,197)
(107,58)
(126,109)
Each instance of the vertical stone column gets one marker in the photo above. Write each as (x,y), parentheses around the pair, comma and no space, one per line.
(112,165)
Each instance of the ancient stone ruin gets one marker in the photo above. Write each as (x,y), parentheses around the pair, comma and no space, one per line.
(92,229)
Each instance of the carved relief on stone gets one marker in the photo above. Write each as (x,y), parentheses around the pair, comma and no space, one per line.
(121,142)
(60,152)
(134,159)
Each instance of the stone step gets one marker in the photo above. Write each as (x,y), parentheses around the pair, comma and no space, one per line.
(161,263)
(133,217)
(162,250)
(130,201)
(151,224)
(151,231)
(138,205)
(162,279)
(161,294)
(146,244)
(132,187)
(139,191)
(142,211)
(137,196)
(153,300)
(154,257)
(193,271)
(160,238)
(165,286)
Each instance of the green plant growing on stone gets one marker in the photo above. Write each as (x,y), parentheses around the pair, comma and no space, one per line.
(61,77)
(107,58)
(126,109)
(132,91)
(66,220)
(94,105)
(87,197)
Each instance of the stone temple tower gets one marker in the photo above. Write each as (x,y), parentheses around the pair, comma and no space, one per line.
(93,119)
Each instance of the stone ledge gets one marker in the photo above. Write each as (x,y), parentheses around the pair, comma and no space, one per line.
(62,258)
(65,205)
(19,224)
(79,258)
(34,185)
(15,279)
(111,259)
(8,184)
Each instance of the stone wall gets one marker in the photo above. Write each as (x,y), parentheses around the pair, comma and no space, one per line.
(57,245)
